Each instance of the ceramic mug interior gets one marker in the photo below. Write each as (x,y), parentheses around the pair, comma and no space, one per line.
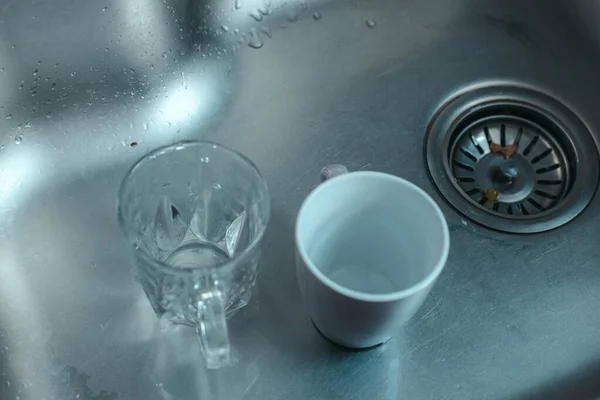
(372,236)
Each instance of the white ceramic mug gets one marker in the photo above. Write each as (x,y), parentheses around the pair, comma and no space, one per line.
(369,247)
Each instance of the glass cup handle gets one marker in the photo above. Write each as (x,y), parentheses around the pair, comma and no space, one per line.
(331,171)
(211,325)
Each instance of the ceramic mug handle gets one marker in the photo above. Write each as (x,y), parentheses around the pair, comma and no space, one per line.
(331,171)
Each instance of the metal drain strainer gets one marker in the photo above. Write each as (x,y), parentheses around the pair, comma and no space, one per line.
(531,180)
(512,159)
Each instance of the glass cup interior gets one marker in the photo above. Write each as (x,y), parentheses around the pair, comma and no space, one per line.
(372,233)
(189,210)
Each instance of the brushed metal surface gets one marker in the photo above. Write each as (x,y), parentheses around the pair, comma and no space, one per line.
(87,87)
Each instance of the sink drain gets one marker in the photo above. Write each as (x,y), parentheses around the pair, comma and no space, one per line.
(512,159)
(529,180)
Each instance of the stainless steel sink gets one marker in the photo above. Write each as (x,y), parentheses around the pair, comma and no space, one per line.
(87,87)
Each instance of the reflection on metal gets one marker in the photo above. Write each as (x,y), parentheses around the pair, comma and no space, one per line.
(182,103)
(19,174)
(154,25)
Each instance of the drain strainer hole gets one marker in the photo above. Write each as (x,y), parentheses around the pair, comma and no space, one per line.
(511,159)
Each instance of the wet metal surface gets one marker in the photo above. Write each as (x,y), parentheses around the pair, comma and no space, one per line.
(87,87)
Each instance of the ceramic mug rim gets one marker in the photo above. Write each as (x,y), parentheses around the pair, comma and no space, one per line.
(372,297)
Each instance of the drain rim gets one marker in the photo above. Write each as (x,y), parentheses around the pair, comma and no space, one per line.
(581,148)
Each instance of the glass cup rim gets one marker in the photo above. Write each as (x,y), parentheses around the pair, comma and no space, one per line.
(186,271)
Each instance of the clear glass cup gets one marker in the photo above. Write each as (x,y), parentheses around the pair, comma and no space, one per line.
(195,214)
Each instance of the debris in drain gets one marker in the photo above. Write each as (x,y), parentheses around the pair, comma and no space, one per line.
(492,194)
(507,151)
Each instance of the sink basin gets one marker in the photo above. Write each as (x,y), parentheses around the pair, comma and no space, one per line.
(87,87)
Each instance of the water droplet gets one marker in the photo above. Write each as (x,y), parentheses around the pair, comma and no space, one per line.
(237,4)
(27,124)
(256,15)
(8,116)
(151,66)
(104,8)
(49,115)
(205,160)
(18,139)
(73,73)
(263,10)
(267,31)
(317,16)
(35,72)
(217,186)
(224,28)
(14,46)
(254,40)
(164,55)
(370,23)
